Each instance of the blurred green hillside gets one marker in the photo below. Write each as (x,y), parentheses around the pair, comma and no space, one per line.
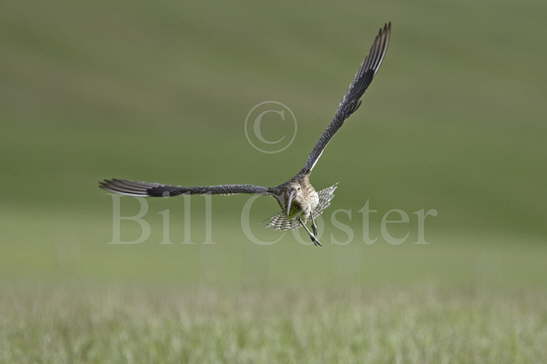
(159,91)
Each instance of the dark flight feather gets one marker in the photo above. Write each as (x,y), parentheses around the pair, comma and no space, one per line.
(147,189)
(352,100)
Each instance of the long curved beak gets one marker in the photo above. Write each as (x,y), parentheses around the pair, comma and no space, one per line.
(292,195)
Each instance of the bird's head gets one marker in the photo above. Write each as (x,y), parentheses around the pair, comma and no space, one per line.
(292,196)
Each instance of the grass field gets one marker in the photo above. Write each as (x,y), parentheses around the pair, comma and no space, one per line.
(159,91)
(453,301)
(425,325)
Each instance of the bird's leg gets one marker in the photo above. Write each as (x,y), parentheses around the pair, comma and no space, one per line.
(314,230)
(313,237)
(313,227)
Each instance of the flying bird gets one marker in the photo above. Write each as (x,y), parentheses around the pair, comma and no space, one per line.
(300,203)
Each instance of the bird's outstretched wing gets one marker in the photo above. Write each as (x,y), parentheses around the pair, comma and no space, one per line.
(144,189)
(352,99)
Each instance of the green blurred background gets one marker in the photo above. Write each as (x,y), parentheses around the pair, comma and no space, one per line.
(159,91)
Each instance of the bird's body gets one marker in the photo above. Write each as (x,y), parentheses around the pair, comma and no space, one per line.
(305,200)
(299,201)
